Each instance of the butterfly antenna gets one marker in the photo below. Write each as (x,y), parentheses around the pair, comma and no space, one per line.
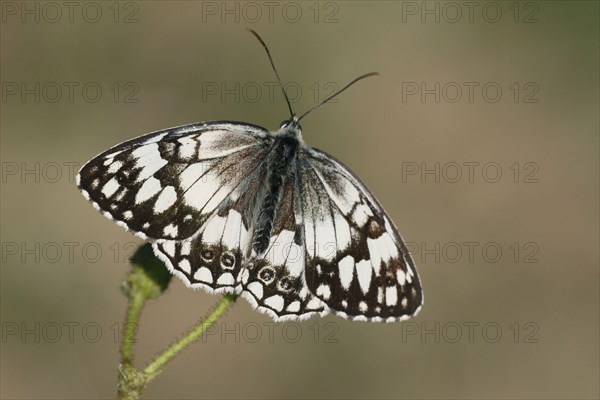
(338,92)
(252,31)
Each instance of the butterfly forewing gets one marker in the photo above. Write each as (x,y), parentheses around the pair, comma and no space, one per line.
(357,262)
(165,185)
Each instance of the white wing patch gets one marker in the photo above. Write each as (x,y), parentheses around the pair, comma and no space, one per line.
(346,271)
(166,199)
(149,189)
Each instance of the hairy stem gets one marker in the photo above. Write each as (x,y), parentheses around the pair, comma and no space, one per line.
(134,309)
(192,335)
(148,279)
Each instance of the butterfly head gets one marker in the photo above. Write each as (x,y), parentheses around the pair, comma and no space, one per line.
(291,127)
(290,123)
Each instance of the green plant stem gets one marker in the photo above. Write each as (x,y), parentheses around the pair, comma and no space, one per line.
(134,309)
(148,279)
(192,335)
(133,381)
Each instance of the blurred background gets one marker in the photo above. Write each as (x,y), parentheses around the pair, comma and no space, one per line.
(480,138)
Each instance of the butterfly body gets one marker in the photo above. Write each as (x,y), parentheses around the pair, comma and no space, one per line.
(286,145)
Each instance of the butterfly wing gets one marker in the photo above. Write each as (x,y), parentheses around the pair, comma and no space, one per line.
(214,257)
(166,185)
(356,261)
(190,190)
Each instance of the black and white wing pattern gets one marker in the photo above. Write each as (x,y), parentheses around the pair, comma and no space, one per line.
(232,208)
(167,184)
(204,232)
(356,261)
(221,258)
(189,190)
(274,281)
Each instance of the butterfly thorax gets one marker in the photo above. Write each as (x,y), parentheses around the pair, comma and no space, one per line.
(283,153)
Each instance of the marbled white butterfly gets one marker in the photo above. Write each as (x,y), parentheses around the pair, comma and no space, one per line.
(233,208)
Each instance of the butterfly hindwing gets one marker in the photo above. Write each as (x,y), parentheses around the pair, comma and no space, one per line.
(274,281)
(213,258)
(165,185)
(357,262)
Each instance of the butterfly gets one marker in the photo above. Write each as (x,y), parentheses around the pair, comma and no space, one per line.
(230,207)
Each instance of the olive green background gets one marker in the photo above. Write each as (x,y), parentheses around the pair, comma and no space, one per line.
(534,326)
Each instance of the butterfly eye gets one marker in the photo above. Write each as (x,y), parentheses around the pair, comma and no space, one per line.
(284,124)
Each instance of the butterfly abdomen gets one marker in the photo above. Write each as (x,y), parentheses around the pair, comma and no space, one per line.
(283,155)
